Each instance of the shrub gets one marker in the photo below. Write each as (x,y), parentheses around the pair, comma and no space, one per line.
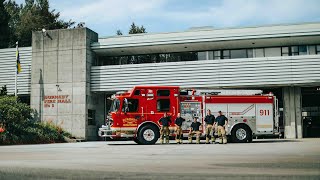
(18,127)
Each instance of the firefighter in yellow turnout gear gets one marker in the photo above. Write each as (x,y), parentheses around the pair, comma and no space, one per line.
(195,130)
(164,130)
(209,119)
(178,122)
(221,123)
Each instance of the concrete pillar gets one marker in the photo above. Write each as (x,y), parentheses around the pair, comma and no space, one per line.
(292,112)
(60,77)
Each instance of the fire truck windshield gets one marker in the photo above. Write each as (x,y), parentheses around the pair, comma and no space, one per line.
(115,105)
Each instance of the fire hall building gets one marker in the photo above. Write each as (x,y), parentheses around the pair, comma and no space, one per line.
(68,74)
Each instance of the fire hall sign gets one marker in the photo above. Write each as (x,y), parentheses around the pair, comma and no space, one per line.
(50,101)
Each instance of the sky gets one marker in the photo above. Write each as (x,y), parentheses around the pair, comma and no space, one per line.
(107,16)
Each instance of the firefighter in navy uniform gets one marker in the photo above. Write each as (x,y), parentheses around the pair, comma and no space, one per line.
(221,122)
(195,130)
(209,119)
(164,130)
(178,122)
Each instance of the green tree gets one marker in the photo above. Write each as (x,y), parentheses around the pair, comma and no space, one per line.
(136,29)
(119,33)
(13,10)
(3,90)
(34,15)
(133,30)
(13,111)
(4,26)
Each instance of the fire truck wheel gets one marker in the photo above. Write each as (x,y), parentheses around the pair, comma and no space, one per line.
(136,140)
(148,135)
(241,134)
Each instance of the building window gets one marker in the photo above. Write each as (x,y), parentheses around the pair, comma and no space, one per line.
(188,56)
(241,53)
(163,92)
(214,55)
(250,53)
(312,50)
(299,50)
(163,105)
(285,51)
(272,52)
(226,54)
(318,49)
(91,117)
(259,52)
(294,50)
(173,57)
(202,55)
(303,50)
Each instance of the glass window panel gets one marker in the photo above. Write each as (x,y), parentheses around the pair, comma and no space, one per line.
(294,49)
(272,52)
(226,54)
(259,52)
(130,105)
(162,58)
(123,59)
(217,53)
(163,105)
(132,60)
(154,58)
(210,55)
(137,92)
(318,49)
(302,50)
(91,117)
(163,92)
(202,55)
(285,50)
(250,53)
(188,56)
(312,49)
(241,53)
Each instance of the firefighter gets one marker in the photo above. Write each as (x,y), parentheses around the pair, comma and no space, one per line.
(178,122)
(164,130)
(221,123)
(209,119)
(194,130)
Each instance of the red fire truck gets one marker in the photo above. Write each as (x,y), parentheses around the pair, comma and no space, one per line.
(135,113)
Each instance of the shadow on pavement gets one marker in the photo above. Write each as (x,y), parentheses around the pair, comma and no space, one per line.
(125,143)
(275,141)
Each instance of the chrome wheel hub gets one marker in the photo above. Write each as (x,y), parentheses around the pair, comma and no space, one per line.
(148,135)
(241,134)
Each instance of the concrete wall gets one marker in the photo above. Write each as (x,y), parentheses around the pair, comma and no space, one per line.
(60,79)
(292,112)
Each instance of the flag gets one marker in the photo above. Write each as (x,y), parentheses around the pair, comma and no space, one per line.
(18,60)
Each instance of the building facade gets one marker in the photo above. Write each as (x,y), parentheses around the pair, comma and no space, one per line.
(68,74)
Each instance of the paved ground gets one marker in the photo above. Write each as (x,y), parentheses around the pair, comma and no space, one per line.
(262,159)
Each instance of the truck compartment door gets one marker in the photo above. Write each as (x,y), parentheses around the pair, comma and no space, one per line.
(264,114)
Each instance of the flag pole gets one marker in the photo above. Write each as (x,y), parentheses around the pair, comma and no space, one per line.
(16,72)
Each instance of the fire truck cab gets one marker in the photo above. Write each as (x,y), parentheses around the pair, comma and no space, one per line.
(135,113)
